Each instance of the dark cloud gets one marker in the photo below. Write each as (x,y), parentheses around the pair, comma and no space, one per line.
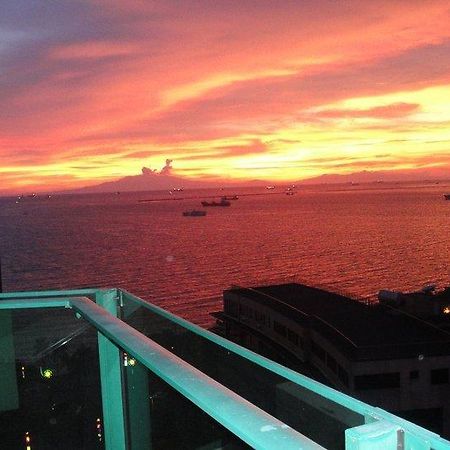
(87,167)
(149,172)
(166,170)
(167,167)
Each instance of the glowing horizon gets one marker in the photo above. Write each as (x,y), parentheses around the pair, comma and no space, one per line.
(93,91)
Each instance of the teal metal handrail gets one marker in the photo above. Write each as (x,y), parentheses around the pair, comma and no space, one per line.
(371,414)
(37,295)
(259,429)
(252,425)
(249,423)
(319,388)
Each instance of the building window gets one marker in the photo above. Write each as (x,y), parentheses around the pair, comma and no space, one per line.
(318,351)
(343,375)
(246,312)
(293,336)
(439,376)
(260,317)
(302,343)
(377,381)
(278,328)
(231,308)
(331,363)
(414,375)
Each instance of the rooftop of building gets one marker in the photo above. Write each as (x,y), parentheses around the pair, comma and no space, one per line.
(368,332)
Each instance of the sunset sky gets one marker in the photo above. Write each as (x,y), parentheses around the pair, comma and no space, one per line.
(278,90)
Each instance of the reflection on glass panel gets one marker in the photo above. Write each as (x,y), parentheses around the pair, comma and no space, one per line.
(160,418)
(50,394)
(316,417)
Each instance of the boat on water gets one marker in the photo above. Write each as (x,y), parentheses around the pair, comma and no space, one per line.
(447,196)
(194,213)
(223,202)
(230,197)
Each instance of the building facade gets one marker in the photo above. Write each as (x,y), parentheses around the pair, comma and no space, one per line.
(383,357)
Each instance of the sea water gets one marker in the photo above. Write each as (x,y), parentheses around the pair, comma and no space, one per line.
(353,239)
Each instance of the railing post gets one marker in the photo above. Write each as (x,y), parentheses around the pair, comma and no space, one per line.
(379,435)
(138,406)
(137,392)
(111,379)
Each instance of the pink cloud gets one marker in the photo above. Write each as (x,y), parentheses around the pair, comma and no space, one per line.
(95,74)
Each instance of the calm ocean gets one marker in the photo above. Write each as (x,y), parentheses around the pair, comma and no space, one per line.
(351,239)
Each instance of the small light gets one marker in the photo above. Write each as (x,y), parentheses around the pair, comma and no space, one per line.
(99,429)
(446,310)
(47,373)
(128,361)
(28,440)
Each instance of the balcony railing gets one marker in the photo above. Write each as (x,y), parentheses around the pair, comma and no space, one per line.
(103,369)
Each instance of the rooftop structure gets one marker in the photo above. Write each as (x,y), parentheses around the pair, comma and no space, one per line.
(428,303)
(103,369)
(380,355)
(361,331)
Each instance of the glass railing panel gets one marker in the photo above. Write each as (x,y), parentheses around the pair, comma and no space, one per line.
(158,417)
(50,394)
(313,415)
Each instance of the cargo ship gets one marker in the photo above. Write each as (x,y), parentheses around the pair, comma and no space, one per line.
(194,213)
(223,202)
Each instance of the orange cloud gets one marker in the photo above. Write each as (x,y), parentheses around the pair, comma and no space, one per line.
(385,112)
(91,88)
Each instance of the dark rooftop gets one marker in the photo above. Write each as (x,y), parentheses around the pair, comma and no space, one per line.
(367,332)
